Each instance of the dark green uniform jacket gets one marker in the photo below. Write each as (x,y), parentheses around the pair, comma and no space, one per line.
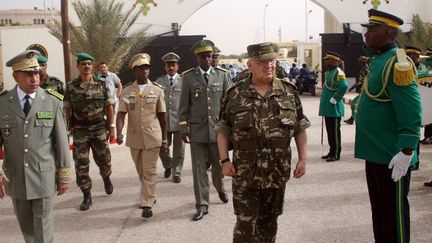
(390,122)
(335,86)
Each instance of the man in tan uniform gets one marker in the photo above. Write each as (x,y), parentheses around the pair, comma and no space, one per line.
(144,103)
(37,161)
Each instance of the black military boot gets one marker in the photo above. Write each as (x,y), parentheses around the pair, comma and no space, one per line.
(87,202)
(108,185)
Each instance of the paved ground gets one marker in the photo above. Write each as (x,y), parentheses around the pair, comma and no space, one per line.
(329,204)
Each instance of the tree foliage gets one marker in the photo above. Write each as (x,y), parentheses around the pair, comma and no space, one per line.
(104,32)
(419,36)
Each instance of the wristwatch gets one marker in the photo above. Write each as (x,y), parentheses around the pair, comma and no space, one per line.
(112,125)
(224,161)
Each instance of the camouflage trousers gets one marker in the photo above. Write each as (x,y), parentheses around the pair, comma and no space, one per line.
(83,141)
(257,211)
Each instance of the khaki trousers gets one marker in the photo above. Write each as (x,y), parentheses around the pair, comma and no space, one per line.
(145,164)
(35,218)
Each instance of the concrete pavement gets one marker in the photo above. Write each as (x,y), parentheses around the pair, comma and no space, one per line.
(329,204)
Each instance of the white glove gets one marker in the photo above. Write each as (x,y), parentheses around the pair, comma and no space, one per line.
(333,101)
(400,164)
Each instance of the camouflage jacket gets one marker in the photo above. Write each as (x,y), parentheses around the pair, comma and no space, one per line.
(87,102)
(54,84)
(261,129)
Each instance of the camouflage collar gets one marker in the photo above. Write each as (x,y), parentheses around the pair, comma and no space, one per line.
(277,88)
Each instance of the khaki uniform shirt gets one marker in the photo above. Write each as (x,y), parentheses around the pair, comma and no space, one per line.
(143,129)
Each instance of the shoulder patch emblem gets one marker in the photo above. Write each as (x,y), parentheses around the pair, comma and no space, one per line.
(187,71)
(55,93)
(154,83)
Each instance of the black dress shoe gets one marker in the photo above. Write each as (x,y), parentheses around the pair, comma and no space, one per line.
(146,212)
(87,202)
(108,186)
(428,184)
(199,215)
(350,121)
(167,173)
(326,156)
(223,196)
(331,159)
(176,179)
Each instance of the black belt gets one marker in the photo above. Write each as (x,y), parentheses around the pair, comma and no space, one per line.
(262,143)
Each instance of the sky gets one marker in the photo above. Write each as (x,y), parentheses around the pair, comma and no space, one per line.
(234,24)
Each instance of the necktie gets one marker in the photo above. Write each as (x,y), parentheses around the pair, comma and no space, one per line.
(171,81)
(27,106)
(206,77)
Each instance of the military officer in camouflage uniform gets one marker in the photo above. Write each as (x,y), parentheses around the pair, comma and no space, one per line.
(47,81)
(216,57)
(36,162)
(260,115)
(171,84)
(388,127)
(87,102)
(202,90)
(331,105)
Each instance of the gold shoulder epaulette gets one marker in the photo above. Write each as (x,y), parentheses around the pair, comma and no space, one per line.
(55,93)
(404,72)
(160,86)
(128,84)
(188,71)
(3,92)
(340,75)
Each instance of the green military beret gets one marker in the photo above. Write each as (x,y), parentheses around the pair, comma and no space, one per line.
(25,61)
(262,51)
(202,46)
(42,59)
(377,17)
(83,56)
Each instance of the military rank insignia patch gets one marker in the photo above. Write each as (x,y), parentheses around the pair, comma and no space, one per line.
(55,93)
(45,115)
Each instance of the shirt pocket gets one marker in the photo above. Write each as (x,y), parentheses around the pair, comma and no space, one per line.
(287,114)
(8,129)
(242,117)
(43,129)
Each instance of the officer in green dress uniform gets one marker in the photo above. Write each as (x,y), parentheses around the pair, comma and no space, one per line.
(202,91)
(388,127)
(47,81)
(331,105)
(37,161)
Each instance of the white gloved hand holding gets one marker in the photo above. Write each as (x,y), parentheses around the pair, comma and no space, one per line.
(400,164)
(333,101)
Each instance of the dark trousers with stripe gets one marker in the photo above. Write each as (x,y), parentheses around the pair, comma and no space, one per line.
(333,135)
(389,203)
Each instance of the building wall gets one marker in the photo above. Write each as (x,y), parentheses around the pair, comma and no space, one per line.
(28,17)
(14,40)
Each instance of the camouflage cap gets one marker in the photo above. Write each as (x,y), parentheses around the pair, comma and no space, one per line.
(170,57)
(139,60)
(202,46)
(83,56)
(377,17)
(262,51)
(25,61)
